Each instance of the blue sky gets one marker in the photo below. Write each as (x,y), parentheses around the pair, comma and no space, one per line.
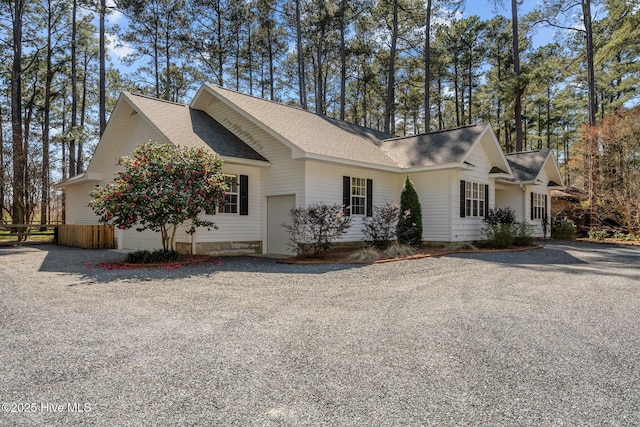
(485,9)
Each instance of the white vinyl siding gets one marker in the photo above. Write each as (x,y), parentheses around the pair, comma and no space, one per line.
(435,194)
(235,227)
(511,196)
(470,228)
(324,184)
(121,141)
(285,175)
(77,210)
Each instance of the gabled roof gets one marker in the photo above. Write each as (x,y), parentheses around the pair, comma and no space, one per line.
(308,134)
(435,148)
(187,127)
(527,166)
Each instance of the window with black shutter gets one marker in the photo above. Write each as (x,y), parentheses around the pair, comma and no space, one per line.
(357,195)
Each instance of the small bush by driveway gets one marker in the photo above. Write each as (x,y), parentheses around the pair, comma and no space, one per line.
(543,337)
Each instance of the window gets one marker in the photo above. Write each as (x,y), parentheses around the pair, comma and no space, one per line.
(358,196)
(230,203)
(236,198)
(538,206)
(474,199)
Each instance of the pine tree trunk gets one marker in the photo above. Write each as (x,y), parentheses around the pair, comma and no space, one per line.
(517,109)
(427,70)
(19,155)
(103,79)
(302,85)
(343,60)
(44,176)
(389,107)
(74,91)
(592,149)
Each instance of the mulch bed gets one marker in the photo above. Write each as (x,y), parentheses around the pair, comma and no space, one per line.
(341,255)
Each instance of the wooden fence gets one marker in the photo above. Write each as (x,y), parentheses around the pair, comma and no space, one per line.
(86,236)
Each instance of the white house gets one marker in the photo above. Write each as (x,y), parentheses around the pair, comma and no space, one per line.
(285,157)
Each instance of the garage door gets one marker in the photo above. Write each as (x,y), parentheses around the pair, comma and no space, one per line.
(278,208)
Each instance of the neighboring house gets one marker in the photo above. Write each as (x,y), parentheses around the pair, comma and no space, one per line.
(284,157)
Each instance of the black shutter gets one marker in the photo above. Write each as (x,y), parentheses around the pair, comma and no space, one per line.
(544,215)
(369,197)
(486,200)
(244,195)
(462,202)
(532,210)
(346,195)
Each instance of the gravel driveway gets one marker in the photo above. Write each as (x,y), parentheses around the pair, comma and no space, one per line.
(544,337)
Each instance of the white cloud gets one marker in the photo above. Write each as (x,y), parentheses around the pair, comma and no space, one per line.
(117,48)
(114,16)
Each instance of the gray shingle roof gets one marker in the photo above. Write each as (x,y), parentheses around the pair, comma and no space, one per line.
(312,133)
(436,148)
(188,127)
(526,166)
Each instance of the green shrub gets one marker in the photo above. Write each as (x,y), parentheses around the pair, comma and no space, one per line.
(624,236)
(524,234)
(379,229)
(499,236)
(409,228)
(563,228)
(598,234)
(500,228)
(502,216)
(315,228)
(152,257)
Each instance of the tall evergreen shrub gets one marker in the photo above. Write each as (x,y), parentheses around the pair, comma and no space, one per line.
(409,229)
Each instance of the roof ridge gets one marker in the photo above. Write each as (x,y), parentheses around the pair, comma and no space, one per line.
(281,104)
(152,98)
(527,152)
(397,138)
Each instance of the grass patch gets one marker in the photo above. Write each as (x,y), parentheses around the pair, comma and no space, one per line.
(364,254)
(399,250)
(460,246)
(34,235)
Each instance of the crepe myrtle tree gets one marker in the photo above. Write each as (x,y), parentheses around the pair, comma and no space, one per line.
(160,187)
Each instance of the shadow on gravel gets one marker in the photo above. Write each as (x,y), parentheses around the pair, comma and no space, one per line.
(94,266)
(574,257)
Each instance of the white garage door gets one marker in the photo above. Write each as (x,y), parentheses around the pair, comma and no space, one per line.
(278,208)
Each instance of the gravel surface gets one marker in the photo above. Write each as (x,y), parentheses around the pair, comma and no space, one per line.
(543,337)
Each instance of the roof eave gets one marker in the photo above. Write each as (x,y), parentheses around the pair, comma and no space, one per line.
(342,161)
(79,179)
(247,162)
(500,176)
(463,166)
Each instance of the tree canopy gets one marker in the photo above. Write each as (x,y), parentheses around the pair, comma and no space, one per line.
(161,187)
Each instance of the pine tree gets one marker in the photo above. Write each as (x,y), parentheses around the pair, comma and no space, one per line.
(409,229)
